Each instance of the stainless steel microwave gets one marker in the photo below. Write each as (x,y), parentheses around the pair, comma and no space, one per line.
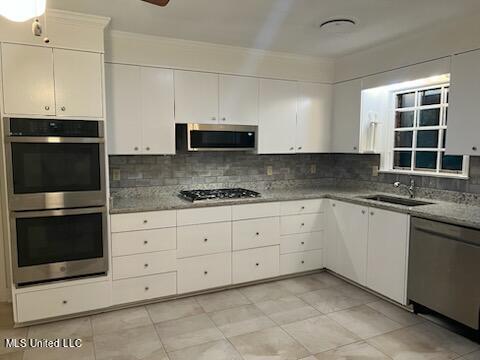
(206,137)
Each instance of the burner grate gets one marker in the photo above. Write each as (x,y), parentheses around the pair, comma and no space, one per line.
(213,194)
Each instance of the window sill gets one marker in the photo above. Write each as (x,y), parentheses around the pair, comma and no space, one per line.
(425,173)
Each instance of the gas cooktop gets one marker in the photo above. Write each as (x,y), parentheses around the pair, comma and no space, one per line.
(213,194)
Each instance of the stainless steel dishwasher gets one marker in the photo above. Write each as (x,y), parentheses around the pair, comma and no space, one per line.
(444,270)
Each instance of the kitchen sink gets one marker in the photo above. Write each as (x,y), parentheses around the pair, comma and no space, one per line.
(396,200)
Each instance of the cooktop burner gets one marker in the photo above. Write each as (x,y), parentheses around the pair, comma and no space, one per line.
(236,193)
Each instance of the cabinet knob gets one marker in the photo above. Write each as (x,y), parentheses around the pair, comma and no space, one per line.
(147,148)
(363,211)
(63,108)
(145,266)
(47,107)
(303,224)
(257,264)
(299,148)
(303,242)
(145,242)
(302,208)
(257,233)
(224,119)
(354,148)
(205,272)
(333,205)
(205,240)
(147,288)
(214,118)
(145,221)
(372,213)
(291,148)
(64,302)
(474,148)
(303,262)
(135,148)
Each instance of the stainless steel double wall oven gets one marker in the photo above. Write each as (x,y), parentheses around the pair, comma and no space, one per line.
(57,198)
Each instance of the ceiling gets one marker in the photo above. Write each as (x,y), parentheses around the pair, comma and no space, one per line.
(279,25)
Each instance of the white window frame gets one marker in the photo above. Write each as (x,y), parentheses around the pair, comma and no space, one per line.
(391,130)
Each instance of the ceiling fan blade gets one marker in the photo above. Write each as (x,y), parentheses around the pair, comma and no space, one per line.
(158,2)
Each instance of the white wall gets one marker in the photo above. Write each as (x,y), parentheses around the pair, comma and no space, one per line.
(433,43)
(129,48)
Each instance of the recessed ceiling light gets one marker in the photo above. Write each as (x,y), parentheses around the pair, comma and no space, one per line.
(338,26)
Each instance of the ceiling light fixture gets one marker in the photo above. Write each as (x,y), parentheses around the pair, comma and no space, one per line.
(22,10)
(338,26)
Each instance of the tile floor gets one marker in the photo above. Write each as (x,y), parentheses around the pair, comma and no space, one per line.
(315,317)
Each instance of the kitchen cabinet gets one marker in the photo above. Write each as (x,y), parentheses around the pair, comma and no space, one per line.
(49,82)
(238,100)
(463,124)
(196,97)
(277,117)
(387,253)
(140,103)
(346,116)
(314,119)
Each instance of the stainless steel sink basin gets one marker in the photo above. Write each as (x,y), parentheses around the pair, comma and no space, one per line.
(396,200)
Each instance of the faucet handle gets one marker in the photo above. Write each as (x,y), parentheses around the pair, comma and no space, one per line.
(396,184)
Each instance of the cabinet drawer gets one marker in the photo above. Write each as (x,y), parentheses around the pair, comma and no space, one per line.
(204,215)
(144,241)
(301,207)
(195,240)
(298,262)
(144,264)
(256,233)
(252,211)
(143,220)
(255,264)
(143,288)
(204,272)
(296,224)
(62,301)
(301,242)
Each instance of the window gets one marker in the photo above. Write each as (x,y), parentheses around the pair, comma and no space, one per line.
(419,133)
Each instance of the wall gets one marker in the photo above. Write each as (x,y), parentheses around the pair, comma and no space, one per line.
(435,42)
(137,49)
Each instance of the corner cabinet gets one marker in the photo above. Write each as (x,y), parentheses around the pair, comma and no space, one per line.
(140,102)
(42,81)
(346,116)
(463,123)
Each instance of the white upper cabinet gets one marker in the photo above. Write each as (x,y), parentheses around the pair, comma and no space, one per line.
(140,110)
(314,118)
(463,119)
(78,83)
(123,109)
(28,84)
(158,122)
(277,116)
(196,97)
(346,116)
(46,81)
(238,100)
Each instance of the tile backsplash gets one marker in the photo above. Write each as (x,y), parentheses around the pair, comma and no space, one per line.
(212,169)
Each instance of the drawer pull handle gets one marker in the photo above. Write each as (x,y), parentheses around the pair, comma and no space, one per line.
(303,207)
(64,302)
(145,266)
(333,205)
(258,234)
(205,272)
(145,221)
(145,242)
(372,213)
(303,224)
(303,262)
(147,288)
(257,264)
(303,243)
(205,240)
(363,211)
(474,148)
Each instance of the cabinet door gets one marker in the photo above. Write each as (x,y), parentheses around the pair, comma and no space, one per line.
(158,120)
(346,116)
(28,86)
(387,253)
(277,117)
(196,97)
(463,122)
(123,109)
(78,83)
(314,118)
(238,100)
(352,233)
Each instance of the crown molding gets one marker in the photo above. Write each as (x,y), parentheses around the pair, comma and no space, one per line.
(71,17)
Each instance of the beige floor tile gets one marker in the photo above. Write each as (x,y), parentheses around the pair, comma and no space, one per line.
(328,280)
(222,300)
(272,343)
(301,285)
(356,351)
(174,309)
(330,300)
(86,352)
(75,328)
(264,292)
(364,321)
(320,334)
(114,321)
(141,343)
(472,356)
(217,350)
(396,313)
(422,341)
(356,293)
(6,315)
(193,330)
(12,356)
(288,309)
(311,357)
(241,320)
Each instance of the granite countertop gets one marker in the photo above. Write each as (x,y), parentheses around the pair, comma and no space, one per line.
(449,212)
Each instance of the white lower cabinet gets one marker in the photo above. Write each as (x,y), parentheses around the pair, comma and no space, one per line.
(144,264)
(62,301)
(255,264)
(144,288)
(143,241)
(301,242)
(204,272)
(301,223)
(300,261)
(203,239)
(255,233)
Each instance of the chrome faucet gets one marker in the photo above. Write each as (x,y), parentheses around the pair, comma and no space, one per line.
(411,189)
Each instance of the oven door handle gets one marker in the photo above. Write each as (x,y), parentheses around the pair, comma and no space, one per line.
(53,140)
(58,212)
